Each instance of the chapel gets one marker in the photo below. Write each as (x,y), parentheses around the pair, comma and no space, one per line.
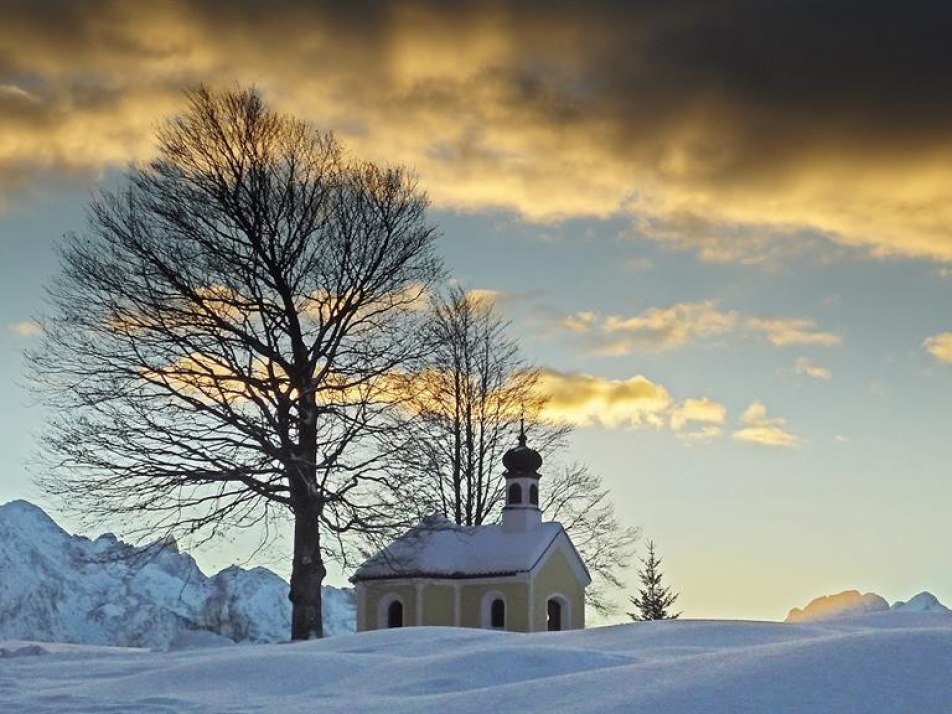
(522,574)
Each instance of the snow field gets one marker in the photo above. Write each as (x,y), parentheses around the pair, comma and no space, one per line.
(895,663)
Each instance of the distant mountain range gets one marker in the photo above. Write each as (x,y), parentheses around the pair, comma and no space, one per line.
(852,602)
(56,587)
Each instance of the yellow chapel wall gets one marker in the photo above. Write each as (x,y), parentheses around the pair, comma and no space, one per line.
(374,591)
(439,601)
(438,604)
(556,577)
(515,593)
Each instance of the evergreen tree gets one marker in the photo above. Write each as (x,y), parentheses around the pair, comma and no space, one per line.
(653,599)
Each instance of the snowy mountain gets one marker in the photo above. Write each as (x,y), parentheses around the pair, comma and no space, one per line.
(55,587)
(923,602)
(851,602)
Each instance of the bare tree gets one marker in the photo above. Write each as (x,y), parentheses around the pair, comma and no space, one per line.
(575,496)
(220,338)
(463,411)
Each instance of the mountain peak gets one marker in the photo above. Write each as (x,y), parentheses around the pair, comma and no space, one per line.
(848,602)
(20,509)
(923,602)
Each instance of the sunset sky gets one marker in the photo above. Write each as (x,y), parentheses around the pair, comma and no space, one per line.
(723,229)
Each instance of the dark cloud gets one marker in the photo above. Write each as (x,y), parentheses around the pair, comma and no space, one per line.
(757,118)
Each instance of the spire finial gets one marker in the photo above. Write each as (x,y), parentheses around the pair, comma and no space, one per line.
(522,431)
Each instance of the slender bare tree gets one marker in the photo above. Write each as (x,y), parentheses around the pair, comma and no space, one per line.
(576,497)
(463,411)
(220,336)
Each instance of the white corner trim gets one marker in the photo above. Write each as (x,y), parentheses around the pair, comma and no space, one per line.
(532,627)
(419,604)
(362,616)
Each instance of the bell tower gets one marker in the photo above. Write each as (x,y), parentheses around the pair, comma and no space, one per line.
(521,512)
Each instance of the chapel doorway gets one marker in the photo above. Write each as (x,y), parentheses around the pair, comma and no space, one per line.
(395,614)
(554,614)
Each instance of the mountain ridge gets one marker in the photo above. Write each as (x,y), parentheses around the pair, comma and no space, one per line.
(851,602)
(57,587)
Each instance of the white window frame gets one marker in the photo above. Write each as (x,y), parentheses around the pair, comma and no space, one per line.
(383,605)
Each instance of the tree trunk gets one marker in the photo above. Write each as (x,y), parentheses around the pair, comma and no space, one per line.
(307,574)
(307,567)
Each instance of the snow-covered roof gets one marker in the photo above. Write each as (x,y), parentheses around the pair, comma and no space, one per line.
(438,547)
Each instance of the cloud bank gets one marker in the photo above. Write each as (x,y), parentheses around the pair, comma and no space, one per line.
(725,128)
(683,323)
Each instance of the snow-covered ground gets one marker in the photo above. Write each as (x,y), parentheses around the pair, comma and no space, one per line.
(892,662)
(849,652)
(56,587)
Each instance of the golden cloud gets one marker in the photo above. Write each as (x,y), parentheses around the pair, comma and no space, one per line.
(698,419)
(483,296)
(808,368)
(583,400)
(575,399)
(682,323)
(758,428)
(24,329)
(693,119)
(587,400)
(215,380)
(939,346)
(673,326)
(792,331)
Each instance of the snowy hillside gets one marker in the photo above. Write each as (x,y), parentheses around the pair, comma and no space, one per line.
(881,663)
(850,602)
(56,587)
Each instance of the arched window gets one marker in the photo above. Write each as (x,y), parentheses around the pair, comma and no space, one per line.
(492,608)
(497,614)
(395,614)
(515,493)
(554,613)
(534,495)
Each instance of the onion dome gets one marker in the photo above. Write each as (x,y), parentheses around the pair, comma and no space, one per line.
(521,459)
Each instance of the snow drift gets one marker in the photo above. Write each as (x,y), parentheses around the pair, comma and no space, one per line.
(55,587)
(877,663)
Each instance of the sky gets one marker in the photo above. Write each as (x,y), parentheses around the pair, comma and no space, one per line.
(723,230)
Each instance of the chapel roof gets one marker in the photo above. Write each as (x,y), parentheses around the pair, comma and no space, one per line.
(439,548)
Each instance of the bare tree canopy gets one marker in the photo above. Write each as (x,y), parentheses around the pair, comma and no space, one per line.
(221,337)
(575,496)
(463,411)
